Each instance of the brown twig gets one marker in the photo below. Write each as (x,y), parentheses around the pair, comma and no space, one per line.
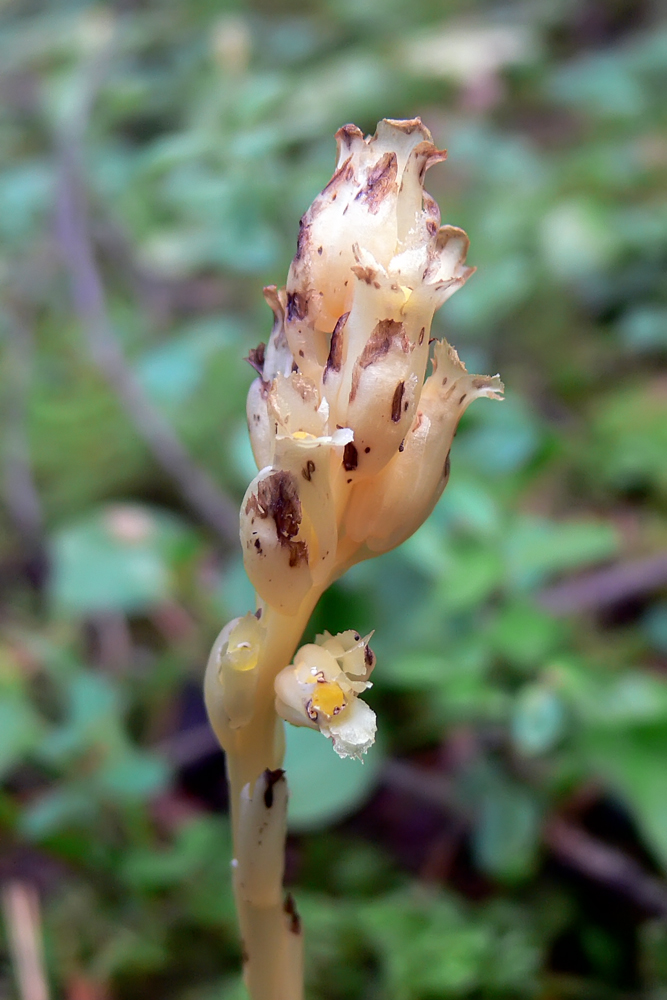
(606,865)
(20,905)
(20,492)
(607,586)
(73,230)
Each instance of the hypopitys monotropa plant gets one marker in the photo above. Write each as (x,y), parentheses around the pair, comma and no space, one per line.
(352,440)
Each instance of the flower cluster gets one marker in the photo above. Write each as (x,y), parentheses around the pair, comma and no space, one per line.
(351,437)
(350,430)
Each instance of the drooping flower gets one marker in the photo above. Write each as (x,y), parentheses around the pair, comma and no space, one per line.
(321,690)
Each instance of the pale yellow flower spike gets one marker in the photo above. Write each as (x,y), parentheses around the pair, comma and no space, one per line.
(352,439)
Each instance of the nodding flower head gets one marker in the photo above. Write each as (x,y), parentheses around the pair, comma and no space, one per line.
(321,690)
(351,437)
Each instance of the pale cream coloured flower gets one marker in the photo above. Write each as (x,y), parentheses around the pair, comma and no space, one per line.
(321,690)
(351,438)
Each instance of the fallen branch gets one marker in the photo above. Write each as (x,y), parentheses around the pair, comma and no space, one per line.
(75,243)
(605,587)
(20,493)
(606,865)
(20,906)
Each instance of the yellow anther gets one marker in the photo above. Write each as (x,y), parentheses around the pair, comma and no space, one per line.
(328,698)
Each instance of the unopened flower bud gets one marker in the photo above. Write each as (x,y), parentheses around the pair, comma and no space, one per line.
(231,675)
(385,511)
(275,549)
(320,690)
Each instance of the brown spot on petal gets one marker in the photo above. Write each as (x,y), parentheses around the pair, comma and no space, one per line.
(297,306)
(367,274)
(387,334)
(277,496)
(397,401)
(350,457)
(307,471)
(298,553)
(448,464)
(344,172)
(335,359)
(347,134)
(382,339)
(256,358)
(302,238)
(271,778)
(356,375)
(380,182)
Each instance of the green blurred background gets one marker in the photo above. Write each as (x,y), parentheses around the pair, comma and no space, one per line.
(508,835)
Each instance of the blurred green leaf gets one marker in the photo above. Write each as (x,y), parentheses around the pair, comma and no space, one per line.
(537,549)
(117,559)
(506,831)
(538,721)
(324,788)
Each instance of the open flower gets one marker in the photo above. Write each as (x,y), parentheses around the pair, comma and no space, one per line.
(321,690)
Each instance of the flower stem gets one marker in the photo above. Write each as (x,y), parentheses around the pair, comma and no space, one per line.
(271,933)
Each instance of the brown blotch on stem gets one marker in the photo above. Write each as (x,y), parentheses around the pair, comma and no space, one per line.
(380,182)
(397,401)
(350,457)
(289,907)
(271,778)
(335,359)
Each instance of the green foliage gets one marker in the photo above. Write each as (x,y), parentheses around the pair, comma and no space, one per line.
(210,131)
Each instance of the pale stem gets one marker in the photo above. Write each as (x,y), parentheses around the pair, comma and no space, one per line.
(272,940)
